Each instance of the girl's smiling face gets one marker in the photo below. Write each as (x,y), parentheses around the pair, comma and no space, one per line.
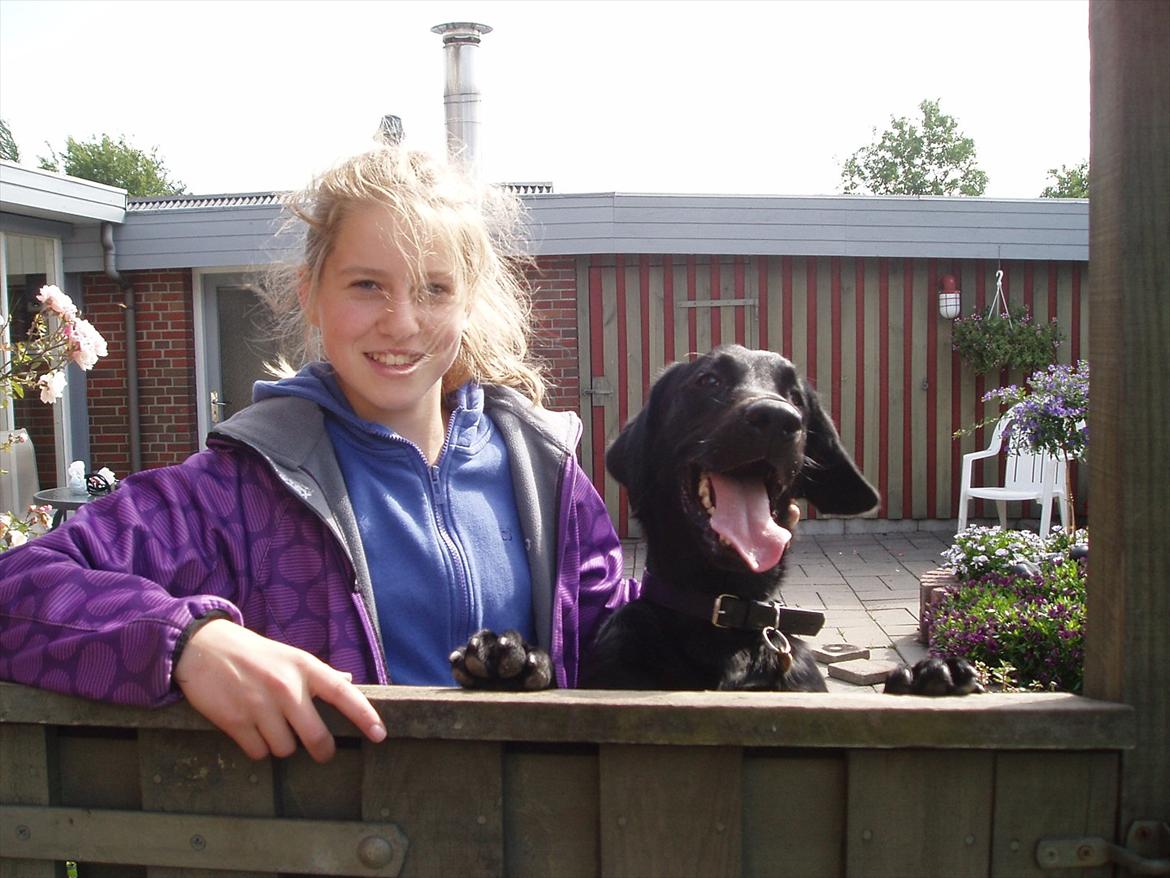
(390,325)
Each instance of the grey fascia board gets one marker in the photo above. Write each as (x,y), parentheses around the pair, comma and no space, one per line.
(562,224)
(906,226)
(53,196)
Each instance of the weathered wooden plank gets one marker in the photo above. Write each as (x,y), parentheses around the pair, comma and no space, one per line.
(330,791)
(99,768)
(584,348)
(446,798)
(919,814)
(1127,652)
(1023,721)
(919,386)
(551,812)
(873,377)
(793,806)
(26,779)
(201,773)
(1051,795)
(670,811)
(897,452)
(219,843)
(609,335)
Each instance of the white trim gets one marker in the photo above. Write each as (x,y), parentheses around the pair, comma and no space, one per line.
(62,428)
(200,316)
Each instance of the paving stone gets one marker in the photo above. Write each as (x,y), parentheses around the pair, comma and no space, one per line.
(843,686)
(896,631)
(894,617)
(829,653)
(862,672)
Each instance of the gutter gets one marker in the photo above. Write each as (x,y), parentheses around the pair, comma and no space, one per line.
(109,263)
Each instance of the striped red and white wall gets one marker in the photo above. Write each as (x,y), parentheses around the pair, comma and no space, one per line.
(866,331)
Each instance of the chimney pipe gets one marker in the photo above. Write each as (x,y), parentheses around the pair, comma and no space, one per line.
(390,130)
(461,96)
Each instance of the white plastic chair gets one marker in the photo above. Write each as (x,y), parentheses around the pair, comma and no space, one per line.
(20,481)
(1027,476)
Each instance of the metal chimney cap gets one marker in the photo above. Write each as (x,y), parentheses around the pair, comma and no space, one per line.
(461,32)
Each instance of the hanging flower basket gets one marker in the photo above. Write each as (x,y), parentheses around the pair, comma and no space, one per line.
(1011,341)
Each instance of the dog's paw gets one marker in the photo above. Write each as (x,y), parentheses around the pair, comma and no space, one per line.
(934,676)
(501,662)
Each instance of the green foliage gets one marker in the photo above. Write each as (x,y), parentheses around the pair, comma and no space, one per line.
(1021,631)
(1068,182)
(8,148)
(930,158)
(1035,624)
(115,163)
(988,344)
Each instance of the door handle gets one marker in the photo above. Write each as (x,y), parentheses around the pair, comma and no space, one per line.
(216,405)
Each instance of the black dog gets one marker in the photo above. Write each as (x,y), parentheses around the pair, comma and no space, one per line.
(711,464)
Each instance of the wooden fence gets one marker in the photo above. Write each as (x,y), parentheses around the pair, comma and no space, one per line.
(866,331)
(568,783)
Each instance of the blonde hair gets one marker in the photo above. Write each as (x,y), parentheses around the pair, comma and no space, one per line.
(437,208)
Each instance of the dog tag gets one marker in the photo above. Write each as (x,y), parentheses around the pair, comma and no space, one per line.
(775,640)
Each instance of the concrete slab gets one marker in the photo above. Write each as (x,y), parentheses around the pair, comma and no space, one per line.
(862,672)
(830,653)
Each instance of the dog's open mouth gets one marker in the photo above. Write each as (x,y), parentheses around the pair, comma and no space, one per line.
(739,512)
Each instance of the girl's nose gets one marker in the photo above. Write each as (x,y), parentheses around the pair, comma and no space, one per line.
(399,316)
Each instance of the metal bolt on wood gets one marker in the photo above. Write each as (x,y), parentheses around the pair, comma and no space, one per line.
(198,842)
(23,833)
(375,852)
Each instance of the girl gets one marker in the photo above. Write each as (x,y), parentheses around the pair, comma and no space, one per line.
(362,517)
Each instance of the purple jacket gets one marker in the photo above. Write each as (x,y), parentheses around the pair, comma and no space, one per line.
(259,526)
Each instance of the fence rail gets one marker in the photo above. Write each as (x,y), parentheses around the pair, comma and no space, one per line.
(567,783)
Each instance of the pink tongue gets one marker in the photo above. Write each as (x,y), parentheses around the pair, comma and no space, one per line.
(742,517)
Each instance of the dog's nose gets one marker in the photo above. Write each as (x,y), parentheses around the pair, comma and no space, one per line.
(773,416)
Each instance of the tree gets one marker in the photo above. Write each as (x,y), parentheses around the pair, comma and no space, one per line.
(1068,182)
(8,148)
(115,163)
(929,158)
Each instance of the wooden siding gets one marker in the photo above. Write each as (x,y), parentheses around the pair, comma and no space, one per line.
(950,228)
(866,332)
(573,224)
(569,783)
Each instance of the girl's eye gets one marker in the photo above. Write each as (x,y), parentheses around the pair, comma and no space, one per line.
(367,285)
(437,290)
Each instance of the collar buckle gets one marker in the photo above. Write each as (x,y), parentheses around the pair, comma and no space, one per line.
(717,611)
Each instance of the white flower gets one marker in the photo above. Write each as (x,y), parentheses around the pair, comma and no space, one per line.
(51,385)
(1001,553)
(16,538)
(88,344)
(56,301)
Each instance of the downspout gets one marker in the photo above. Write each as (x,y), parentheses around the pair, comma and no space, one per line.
(108,261)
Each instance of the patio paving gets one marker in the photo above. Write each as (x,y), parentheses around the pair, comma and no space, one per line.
(866,584)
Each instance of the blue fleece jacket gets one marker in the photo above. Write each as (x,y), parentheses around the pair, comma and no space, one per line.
(443,543)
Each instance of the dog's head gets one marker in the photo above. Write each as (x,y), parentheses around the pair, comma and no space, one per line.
(723,445)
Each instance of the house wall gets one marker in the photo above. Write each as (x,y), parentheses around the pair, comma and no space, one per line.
(166,373)
(865,331)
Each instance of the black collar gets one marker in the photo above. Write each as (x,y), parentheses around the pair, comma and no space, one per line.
(730,611)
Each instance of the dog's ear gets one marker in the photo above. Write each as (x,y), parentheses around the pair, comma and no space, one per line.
(630,457)
(830,480)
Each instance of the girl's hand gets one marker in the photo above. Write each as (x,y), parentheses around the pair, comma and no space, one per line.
(260,692)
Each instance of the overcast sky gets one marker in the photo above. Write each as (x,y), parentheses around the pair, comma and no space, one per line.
(610,95)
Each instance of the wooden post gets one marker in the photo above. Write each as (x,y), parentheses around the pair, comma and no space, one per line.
(1128,634)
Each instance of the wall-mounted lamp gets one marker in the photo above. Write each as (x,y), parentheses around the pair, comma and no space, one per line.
(950,299)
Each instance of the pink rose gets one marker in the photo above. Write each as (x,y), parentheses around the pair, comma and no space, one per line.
(56,301)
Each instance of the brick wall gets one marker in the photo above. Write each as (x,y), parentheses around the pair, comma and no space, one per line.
(166,359)
(166,369)
(554,284)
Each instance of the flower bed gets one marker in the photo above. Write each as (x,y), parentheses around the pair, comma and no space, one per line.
(1017,610)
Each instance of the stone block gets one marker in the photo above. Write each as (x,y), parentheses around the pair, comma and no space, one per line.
(930,590)
(862,672)
(830,653)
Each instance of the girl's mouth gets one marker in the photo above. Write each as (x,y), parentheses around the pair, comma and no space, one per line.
(394,360)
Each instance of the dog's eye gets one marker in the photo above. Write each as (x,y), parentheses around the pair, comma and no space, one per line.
(796,398)
(709,379)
